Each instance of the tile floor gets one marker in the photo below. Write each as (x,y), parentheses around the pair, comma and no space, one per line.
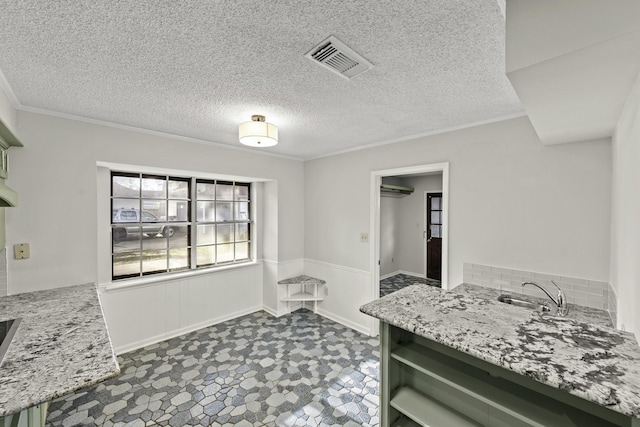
(399,281)
(257,370)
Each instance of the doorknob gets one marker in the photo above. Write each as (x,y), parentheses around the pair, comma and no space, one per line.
(429,240)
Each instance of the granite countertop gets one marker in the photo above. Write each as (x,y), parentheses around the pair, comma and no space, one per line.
(302,280)
(61,345)
(578,313)
(594,362)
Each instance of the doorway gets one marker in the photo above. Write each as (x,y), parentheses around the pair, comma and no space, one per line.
(375,231)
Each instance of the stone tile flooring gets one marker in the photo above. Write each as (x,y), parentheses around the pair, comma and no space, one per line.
(300,369)
(399,281)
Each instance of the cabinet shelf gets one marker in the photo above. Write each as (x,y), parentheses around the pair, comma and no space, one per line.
(426,411)
(302,296)
(431,378)
(477,385)
(405,422)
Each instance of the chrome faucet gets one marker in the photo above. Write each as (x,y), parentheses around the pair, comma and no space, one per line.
(560,301)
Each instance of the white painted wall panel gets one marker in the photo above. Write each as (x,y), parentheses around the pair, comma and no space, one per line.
(625,222)
(513,202)
(348,289)
(55,175)
(141,315)
(389,235)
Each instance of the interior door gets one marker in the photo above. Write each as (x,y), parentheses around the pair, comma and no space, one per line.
(434,235)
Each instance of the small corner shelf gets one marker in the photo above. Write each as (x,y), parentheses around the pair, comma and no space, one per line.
(308,290)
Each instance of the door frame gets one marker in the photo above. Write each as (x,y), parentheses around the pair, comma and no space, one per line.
(426,194)
(374,225)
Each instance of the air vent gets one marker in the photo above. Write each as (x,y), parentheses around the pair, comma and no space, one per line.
(337,57)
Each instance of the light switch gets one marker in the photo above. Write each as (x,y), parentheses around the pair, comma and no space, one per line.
(364,237)
(21,250)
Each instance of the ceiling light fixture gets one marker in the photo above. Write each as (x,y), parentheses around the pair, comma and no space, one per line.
(258,133)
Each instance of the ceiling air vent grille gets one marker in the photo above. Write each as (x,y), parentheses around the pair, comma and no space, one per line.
(337,57)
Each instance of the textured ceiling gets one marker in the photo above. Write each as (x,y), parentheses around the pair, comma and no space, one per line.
(198,68)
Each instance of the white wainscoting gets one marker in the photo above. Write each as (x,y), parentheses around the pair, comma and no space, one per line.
(348,288)
(145,314)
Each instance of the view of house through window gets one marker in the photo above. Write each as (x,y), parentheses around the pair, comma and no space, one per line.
(162,224)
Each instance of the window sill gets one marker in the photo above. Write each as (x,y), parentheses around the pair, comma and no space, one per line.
(151,280)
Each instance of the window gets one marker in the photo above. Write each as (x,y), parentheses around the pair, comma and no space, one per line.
(222,222)
(162,224)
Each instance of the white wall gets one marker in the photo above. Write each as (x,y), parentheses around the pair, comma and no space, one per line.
(513,203)
(389,225)
(402,222)
(411,249)
(146,314)
(625,221)
(56,176)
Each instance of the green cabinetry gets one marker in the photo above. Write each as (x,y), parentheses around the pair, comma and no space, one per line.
(35,416)
(425,383)
(8,197)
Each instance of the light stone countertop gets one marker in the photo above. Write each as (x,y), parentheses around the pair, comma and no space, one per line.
(61,345)
(594,362)
(302,280)
(578,313)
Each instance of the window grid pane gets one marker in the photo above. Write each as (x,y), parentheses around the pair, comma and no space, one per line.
(151,233)
(151,224)
(223,215)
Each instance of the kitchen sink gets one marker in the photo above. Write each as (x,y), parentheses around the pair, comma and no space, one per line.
(507,299)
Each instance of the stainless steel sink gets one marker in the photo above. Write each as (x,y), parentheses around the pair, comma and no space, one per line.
(507,299)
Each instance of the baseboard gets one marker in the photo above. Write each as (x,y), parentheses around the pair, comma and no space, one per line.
(409,273)
(182,331)
(270,311)
(386,276)
(345,322)
(273,312)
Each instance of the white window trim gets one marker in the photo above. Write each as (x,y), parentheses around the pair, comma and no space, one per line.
(179,275)
(103,187)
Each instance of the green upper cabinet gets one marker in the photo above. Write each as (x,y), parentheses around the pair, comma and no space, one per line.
(8,197)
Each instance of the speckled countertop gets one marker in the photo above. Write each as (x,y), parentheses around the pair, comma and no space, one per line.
(302,280)
(61,345)
(594,362)
(578,313)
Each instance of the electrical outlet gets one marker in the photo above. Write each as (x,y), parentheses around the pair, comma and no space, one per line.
(21,251)
(364,237)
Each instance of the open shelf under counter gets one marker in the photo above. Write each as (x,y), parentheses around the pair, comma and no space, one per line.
(435,385)
(425,411)
(405,422)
